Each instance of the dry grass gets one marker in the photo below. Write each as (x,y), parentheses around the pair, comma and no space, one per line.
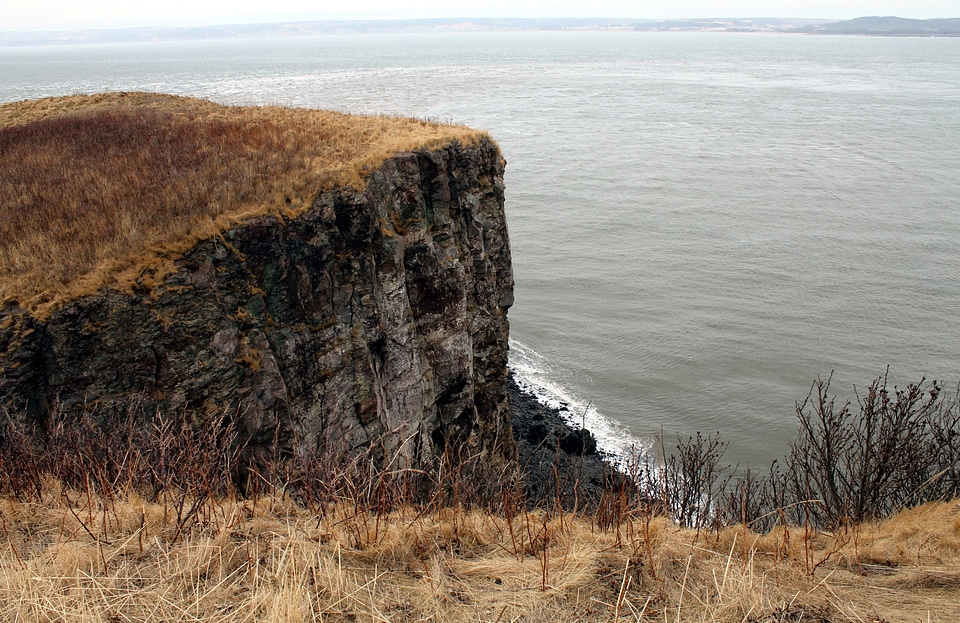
(73,557)
(97,189)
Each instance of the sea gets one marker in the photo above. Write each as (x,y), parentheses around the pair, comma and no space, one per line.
(702,224)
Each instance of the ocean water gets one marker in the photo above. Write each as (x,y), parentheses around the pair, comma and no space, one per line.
(701,224)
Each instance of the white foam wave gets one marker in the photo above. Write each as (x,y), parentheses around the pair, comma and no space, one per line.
(537,376)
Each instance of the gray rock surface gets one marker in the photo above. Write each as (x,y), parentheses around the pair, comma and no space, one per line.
(376,322)
(560,464)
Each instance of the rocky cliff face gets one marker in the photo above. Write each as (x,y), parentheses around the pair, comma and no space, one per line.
(376,321)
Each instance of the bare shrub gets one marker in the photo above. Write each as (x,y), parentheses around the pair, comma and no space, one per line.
(686,486)
(21,473)
(864,463)
(943,424)
(850,463)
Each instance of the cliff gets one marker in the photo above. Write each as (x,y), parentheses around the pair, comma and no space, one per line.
(372,319)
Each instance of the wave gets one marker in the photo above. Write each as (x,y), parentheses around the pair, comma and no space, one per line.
(537,376)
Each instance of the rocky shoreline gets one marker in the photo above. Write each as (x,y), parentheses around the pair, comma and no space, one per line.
(557,460)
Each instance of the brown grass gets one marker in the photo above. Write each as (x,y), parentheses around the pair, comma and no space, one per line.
(98,189)
(71,556)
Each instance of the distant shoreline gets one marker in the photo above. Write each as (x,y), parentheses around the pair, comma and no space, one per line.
(869,26)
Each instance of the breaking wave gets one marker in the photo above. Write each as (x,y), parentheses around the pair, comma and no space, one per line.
(536,375)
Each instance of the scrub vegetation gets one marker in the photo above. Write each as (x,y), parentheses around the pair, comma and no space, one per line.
(104,190)
(858,461)
(114,519)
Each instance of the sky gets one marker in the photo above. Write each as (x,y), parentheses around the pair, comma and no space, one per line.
(80,14)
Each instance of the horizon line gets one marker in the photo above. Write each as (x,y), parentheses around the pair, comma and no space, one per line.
(465,18)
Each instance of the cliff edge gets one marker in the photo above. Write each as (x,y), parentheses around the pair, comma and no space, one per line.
(369,317)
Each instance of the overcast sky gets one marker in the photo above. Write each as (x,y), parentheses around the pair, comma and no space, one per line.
(77,14)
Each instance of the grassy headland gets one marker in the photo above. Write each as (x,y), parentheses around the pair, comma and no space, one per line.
(99,189)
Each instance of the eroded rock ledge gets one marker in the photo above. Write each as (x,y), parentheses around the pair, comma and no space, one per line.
(376,321)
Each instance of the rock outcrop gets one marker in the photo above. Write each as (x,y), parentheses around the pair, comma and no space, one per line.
(560,464)
(375,321)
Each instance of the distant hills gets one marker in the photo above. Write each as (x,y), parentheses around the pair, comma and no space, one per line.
(890,26)
(880,26)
